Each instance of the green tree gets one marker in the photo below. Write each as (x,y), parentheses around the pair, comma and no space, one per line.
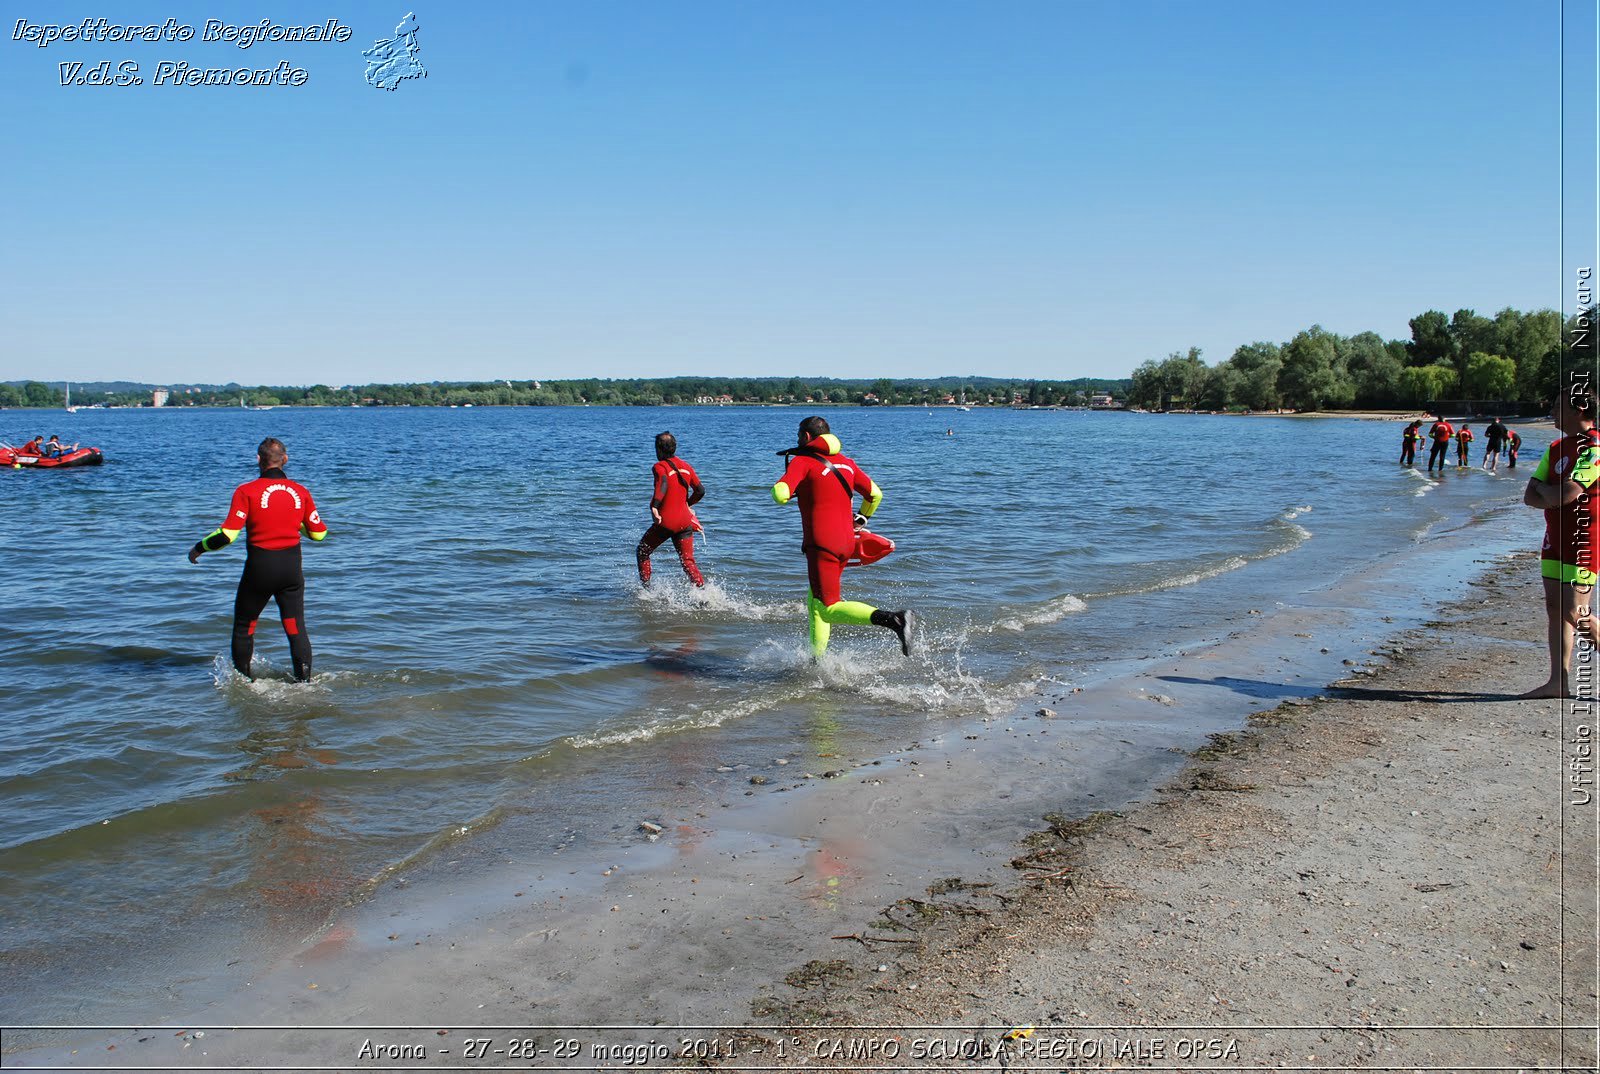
(1426,384)
(1312,376)
(1180,377)
(1533,341)
(38,394)
(1258,366)
(1474,334)
(1373,368)
(1219,389)
(1489,376)
(1147,388)
(1430,339)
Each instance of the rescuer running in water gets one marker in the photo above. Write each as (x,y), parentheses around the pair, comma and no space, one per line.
(1440,433)
(275,511)
(824,481)
(677,490)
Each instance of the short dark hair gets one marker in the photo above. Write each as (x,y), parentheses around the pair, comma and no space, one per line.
(666,445)
(814,426)
(271,452)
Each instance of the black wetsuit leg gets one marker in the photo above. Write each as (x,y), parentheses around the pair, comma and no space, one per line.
(272,574)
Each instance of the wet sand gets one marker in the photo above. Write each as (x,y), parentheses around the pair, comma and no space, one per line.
(1398,854)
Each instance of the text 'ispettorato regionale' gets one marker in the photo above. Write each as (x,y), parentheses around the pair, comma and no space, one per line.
(179,72)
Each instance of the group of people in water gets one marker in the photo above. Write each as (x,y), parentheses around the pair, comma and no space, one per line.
(1497,438)
(824,483)
(1561,486)
(275,512)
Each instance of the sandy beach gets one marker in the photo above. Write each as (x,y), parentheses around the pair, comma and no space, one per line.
(1392,876)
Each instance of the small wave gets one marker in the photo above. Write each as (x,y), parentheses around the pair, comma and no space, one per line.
(117,657)
(1232,563)
(699,721)
(1428,483)
(1294,535)
(440,840)
(1051,611)
(1299,535)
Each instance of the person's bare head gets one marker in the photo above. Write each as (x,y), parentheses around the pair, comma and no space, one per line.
(271,455)
(666,445)
(812,428)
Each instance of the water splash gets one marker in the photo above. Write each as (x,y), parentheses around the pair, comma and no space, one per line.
(676,595)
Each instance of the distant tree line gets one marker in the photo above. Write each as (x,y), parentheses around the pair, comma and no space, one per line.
(659,391)
(1513,357)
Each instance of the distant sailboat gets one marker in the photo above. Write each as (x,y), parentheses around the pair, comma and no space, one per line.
(70,408)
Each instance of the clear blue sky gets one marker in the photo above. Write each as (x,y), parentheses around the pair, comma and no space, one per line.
(590,188)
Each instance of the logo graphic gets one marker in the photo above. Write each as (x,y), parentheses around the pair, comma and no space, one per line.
(393,61)
(270,489)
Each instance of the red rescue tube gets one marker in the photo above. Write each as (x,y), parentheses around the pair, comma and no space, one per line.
(870,547)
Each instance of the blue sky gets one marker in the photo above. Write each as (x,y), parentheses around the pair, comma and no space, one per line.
(1046,189)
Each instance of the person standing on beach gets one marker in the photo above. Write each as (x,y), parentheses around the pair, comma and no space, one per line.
(1440,432)
(825,482)
(1463,442)
(1561,486)
(677,490)
(275,511)
(1494,440)
(1513,445)
(1408,444)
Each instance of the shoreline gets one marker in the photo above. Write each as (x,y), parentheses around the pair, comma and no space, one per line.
(1330,867)
(726,901)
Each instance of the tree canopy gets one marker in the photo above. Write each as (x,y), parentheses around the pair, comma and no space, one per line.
(1512,357)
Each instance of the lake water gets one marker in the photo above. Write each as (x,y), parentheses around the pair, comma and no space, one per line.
(484,653)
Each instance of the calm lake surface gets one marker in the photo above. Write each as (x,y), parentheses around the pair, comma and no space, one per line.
(483,650)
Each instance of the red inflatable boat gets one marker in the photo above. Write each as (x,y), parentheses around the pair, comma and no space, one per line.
(84,456)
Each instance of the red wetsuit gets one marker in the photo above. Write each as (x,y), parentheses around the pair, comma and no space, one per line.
(677,490)
(827,513)
(272,510)
(1571,551)
(1441,431)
